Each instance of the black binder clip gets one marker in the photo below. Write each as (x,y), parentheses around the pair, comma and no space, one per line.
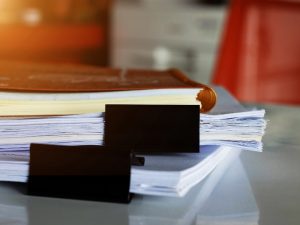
(80,172)
(102,173)
(153,128)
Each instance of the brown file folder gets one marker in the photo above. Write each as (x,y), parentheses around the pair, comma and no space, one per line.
(34,77)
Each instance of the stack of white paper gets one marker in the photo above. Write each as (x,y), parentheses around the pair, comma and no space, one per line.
(232,125)
(167,175)
(229,124)
(17,134)
(220,200)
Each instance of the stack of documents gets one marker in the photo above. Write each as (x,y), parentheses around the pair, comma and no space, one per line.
(16,134)
(219,200)
(228,125)
(166,175)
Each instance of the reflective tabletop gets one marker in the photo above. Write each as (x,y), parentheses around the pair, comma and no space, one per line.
(256,188)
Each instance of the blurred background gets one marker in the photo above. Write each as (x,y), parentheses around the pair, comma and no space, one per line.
(125,33)
(251,47)
(74,31)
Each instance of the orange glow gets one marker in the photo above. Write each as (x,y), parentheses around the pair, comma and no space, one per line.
(54,30)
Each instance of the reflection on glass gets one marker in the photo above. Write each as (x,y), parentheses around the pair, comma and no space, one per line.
(225,197)
(13,215)
(232,201)
(13,209)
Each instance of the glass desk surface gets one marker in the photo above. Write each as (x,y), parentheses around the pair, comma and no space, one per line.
(257,188)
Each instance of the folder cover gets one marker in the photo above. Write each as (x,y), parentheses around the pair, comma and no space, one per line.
(34,77)
(95,173)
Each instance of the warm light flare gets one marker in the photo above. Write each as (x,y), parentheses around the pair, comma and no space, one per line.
(54,30)
(32,16)
(7,12)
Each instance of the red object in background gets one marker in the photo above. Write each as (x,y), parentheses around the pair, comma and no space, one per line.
(259,59)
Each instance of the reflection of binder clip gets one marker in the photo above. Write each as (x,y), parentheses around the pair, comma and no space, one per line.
(80,172)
